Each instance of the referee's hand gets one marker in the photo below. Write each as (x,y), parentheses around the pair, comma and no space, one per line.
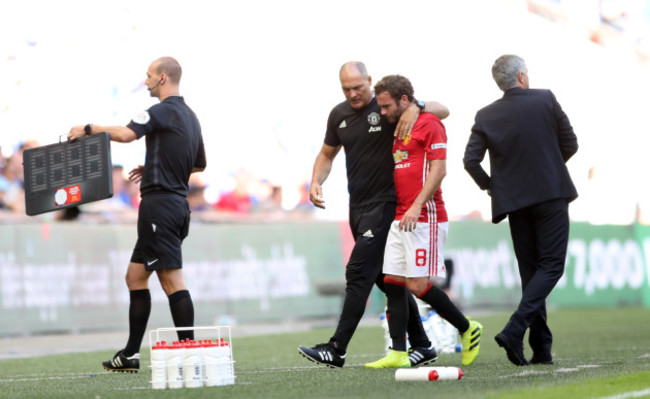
(135,175)
(76,132)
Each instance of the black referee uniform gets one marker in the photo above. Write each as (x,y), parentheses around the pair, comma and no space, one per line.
(174,148)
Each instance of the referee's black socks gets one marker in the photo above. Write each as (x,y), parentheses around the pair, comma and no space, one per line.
(182,309)
(139,311)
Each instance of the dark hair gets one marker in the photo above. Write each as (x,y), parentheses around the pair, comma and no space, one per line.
(396,85)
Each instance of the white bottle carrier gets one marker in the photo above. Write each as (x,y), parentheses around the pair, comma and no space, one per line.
(205,361)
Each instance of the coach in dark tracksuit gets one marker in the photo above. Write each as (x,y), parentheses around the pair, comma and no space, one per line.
(529,139)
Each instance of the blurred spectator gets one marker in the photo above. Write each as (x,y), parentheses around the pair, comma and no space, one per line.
(133,191)
(196,194)
(4,187)
(239,199)
(610,23)
(304,205)
(121,195)
(445,284)
(68,214)
(265,196)
(12,180)
(111,209)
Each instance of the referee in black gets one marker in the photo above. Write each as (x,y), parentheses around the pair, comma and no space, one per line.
(174,149)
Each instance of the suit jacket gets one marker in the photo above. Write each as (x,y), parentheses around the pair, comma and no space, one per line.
(529,139)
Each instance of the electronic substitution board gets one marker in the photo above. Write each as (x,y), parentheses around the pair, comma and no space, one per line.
(68,174)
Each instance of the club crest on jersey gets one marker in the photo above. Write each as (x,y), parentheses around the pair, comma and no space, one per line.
(374,118)
(407,139)
(400,155)
(142,118)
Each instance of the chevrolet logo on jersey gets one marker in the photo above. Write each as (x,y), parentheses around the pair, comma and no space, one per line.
(400,155)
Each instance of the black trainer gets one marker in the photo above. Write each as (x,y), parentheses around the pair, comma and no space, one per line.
(324,354)
(121,363)
(420,355)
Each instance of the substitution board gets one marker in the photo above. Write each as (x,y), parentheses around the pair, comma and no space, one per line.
(68,174)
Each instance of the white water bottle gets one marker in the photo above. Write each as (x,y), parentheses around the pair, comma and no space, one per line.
(430,328)
(211,375)
(428,374)
(387,338)
(226,370)
(175,358)
(192,367)
(159,354)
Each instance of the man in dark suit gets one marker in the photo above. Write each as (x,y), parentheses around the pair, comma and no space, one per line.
(529,139)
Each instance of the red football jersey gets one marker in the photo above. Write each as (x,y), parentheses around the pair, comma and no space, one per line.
(427,141)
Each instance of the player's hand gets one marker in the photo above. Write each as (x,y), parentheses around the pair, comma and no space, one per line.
(409,220)
(407,121)
(316,195)
(135,175)
(76,132)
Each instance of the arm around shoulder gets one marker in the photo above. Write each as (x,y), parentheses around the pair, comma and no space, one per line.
(437,109)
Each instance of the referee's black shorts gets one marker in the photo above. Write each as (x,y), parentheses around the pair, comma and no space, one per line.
(163,224)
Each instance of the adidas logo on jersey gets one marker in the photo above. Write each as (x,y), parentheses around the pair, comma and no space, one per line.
(368,234)
(343,124)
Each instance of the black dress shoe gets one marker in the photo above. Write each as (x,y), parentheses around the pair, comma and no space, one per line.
(514,350)
(540,360)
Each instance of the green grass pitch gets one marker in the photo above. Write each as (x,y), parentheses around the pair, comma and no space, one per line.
(598,353)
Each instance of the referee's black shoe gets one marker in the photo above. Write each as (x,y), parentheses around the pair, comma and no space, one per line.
(121,363)
(324,354)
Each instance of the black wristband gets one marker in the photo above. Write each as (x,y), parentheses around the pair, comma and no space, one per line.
(88,129)
(420,104)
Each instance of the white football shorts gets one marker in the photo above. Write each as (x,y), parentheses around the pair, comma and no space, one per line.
(417,253)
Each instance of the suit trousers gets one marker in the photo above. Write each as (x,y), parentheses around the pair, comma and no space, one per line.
(540,235)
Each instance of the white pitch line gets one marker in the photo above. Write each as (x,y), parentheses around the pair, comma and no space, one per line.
(625,395)
(313,366)
(280,369)
(72,376)
(36,379)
